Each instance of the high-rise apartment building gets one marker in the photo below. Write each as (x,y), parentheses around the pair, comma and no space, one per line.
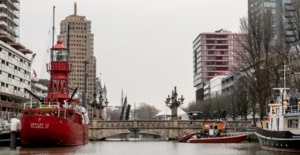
(15,65)
(9,18)
(283,15)
(75,32)
(216,53)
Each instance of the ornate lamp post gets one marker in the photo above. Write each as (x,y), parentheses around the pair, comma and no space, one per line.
(93,105)
(101,104)
(173,103)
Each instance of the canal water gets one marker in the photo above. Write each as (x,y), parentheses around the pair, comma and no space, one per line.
(146,148)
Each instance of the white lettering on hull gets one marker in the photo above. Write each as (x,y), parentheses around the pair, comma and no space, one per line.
(39,125)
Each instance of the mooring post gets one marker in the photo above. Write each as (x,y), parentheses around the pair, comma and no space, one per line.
(14,129)
(13,140)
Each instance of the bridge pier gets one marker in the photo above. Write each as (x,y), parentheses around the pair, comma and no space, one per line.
(92,132)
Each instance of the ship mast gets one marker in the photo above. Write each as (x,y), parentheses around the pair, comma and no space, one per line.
(53,26)
(283,91)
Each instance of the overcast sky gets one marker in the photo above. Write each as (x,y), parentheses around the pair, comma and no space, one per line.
(142,46)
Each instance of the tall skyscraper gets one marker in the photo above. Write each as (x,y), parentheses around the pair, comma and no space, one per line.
(9,18)
(216,53)
(75,32)
(283,16)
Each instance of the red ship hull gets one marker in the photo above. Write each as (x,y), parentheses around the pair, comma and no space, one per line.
(41,130)
(222,139)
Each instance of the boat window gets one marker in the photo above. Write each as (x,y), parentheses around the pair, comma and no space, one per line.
(60,55)
(273,110)
(277,110)
(292,123)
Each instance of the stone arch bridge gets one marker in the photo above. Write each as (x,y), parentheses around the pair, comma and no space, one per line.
(170,129)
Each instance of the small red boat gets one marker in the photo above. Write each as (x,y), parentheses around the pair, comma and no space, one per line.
(213,132)
(59,119)
(185,138)
(219,139)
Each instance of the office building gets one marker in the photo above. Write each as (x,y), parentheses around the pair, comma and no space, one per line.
(283,16)
(216,53)
(75,32)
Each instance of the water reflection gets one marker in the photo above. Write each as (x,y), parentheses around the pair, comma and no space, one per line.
(48,150)
(146,148)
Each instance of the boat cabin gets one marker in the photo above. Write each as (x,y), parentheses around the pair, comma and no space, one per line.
(213,128)
(284,114)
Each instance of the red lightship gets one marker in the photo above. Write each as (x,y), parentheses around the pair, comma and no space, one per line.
(59,119)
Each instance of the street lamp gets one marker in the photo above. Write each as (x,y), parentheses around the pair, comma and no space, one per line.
(93,105)
(173,103)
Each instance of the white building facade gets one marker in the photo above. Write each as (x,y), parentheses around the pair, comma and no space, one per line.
(15,66)
(213,87)
(15,74)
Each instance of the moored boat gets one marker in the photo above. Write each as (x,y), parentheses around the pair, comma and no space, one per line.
(59,119)
(281,130)
(213,132)
(219,139)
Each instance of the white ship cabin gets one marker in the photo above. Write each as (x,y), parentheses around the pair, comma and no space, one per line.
(284,115)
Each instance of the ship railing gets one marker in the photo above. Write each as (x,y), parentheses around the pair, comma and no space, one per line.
(292,109)
(41,105)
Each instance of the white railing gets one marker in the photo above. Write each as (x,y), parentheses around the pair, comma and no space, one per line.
(41,105)
(60,113)
(292,109)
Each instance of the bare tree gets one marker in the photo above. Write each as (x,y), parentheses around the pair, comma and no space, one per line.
(258,45)
(113,114)
(145,111)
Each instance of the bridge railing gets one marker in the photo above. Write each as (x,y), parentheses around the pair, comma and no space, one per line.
(146,124)
(188,124)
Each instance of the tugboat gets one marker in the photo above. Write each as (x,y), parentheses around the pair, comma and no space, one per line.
(281,130)
(59,119)
(213,132)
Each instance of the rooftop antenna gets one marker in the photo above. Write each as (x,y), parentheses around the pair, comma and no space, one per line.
(75,8)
